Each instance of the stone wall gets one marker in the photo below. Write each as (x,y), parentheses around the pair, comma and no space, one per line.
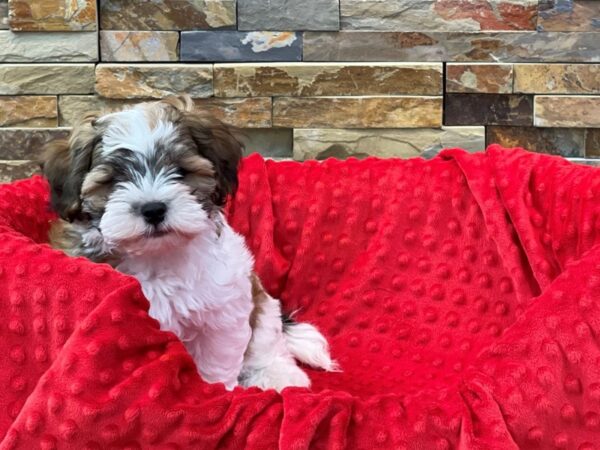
(311,78)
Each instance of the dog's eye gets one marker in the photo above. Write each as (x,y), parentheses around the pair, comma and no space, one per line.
(182,171)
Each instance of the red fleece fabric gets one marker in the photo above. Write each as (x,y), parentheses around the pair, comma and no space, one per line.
(460,296)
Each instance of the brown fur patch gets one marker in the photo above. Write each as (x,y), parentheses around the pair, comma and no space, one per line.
(170,109)
(217,143)
(65,236)
(65,165)
(182,103)
(97,178)
(259,298)
(55,162)
(62,237)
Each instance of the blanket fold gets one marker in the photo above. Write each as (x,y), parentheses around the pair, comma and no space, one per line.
(459,295)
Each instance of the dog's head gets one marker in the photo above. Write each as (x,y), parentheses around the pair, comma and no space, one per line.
(145,177)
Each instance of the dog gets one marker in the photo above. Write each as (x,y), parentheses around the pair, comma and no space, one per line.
(143,189)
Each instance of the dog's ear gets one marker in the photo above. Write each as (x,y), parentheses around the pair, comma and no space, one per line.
(66,163)
(182,103)
(216,142)
(55,163)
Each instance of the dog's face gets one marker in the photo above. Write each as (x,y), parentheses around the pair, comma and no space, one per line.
(145,178)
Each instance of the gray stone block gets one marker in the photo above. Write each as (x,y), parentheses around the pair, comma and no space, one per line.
(284,15)
(497,47)
(53,79)
(436,15)
(269,142)
(48,47)
(17,170)
(4,15)
(384,143)
(166,15)
(27,143)
(219,46)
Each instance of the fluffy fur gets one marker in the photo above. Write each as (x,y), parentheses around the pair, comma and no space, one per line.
(142,189)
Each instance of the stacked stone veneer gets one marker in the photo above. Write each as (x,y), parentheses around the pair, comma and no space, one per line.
(311,78)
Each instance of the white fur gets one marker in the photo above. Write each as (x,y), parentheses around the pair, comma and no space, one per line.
(201,291)
(132,130)
(197,273)
(269,363)
(309,346)
(124,228)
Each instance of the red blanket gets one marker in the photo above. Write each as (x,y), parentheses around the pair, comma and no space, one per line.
(460,296)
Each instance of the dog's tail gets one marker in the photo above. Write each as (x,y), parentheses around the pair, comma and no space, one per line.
(307,345)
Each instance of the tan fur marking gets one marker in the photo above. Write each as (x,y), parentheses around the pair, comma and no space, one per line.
(197,164)
(60,238)
(179,102)
(96,179)
(56,156)
(64,236)
(259,298)
(84,131)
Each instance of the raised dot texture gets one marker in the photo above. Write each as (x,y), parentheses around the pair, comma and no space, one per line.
(48,442)
(68,429)
(429,279)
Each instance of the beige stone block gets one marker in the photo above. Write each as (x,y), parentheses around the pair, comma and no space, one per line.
(134,46)
(479,78)
(557,78)
(240,112)
(384,143)
(71,108)
(28,111)
(17,170)
(357,112)
(17,79)
(41,47)
(52,15)
(327,79)
(153,80)
(564,111)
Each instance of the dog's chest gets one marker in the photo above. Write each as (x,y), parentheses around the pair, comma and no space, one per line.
(206,283)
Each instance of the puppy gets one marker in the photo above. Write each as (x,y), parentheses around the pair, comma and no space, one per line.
(143,189)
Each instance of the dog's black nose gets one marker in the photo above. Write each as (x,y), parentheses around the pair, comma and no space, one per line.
(154,212)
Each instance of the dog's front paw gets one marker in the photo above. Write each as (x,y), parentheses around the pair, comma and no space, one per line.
(277,376)
(292,376)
